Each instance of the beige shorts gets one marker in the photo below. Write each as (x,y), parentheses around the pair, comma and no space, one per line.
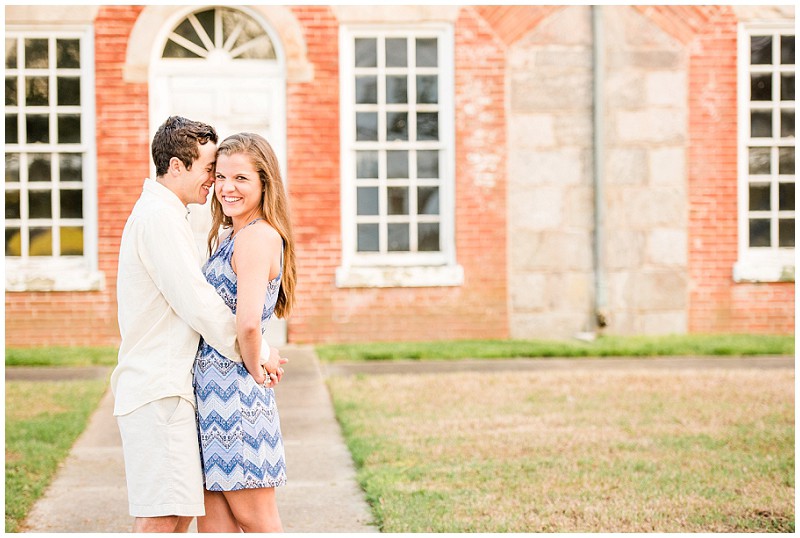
(162,459)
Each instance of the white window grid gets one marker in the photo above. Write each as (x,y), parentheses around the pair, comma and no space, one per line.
(771,262)
(55,271)
(444,146)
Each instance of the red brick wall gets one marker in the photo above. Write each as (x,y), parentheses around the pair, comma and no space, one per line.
(717,304)
(477,309)
(510,23)
(90,318)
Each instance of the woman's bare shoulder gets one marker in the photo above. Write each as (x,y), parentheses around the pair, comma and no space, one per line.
(260,233)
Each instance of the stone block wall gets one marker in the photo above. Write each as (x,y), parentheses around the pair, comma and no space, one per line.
(646,208)
(550,177)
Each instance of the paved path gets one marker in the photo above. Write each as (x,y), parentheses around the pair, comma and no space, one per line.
(88,493)
(522,364)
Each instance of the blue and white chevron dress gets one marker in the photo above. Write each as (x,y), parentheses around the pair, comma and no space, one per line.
(238,424)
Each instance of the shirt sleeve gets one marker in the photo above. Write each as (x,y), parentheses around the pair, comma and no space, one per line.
(168,252)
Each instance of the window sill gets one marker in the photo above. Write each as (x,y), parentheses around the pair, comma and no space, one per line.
(399,277)
(744,271)
(56,275)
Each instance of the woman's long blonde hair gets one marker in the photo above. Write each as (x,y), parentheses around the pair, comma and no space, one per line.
(274,208)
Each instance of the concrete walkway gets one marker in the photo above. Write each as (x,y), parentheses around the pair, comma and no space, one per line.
(527,365)
(89,494)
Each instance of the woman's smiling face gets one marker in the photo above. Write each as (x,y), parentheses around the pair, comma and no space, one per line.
(238,186)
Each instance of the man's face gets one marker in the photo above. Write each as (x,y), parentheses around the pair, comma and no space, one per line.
(198,181)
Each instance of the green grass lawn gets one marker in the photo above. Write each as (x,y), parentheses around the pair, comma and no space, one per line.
(62,356)
(43,420)
(576,451)
(605,346)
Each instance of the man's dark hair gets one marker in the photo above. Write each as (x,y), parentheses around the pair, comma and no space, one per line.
(179,137)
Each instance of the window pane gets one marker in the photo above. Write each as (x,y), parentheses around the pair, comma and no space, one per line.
(12,167)
(40,204)
(11,91)
(787,123)
(787,49)
(428,200)
(427,126)
(38,128)
(39,167)
(36,53)
(13,242)
(367,89)
(759,197)
(759,233)
(367,237)
(786,196)
(397,126)
(787,87)
(396,89)
(36,91)
(428,236)
(11,53)
(397,198)
(367,164)
(186,31)
(366,126)
(173,50)
(71,204)
(786,233)
(760,87)
(72,241)
(68,53)
(70,167)
(760,123)
(69,128)
(761,49)
(41,242)
(12,205)
(259,46)
(426,53)
(759,161)
(786,161)
(427,89)
(366,52)
(397,164)
(396,52)
(69,90)
(206,20)
(11,129)
(428,164)
(397,237)
(367,201)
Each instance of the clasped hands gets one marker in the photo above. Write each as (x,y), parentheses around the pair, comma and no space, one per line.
(271,371)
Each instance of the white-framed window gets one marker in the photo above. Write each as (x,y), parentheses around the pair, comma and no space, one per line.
(50,179)
(398,142)
(766,152)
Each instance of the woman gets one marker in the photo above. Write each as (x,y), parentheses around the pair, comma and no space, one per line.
(253,269)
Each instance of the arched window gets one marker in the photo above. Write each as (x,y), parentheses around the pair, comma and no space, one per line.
(219,30)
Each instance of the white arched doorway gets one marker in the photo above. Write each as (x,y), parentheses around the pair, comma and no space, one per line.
(222,66)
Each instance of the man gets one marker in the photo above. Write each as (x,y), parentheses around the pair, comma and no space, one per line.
(165,304)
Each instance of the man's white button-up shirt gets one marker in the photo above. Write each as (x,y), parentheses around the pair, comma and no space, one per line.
(164,304)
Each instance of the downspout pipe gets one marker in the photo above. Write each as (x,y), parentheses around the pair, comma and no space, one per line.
(600,319)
